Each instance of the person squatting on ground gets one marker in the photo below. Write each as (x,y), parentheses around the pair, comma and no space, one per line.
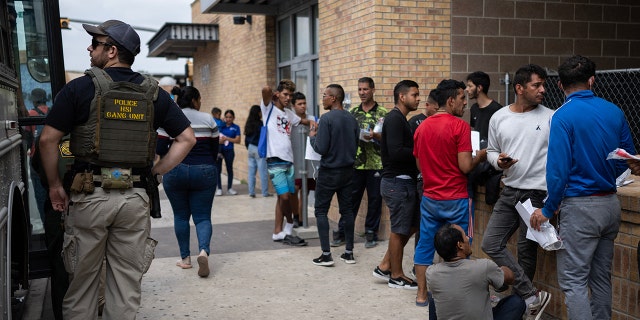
(460,286)
(274,106)
(107,212)
(398,186)
(255,163)
(229,136)
(581,186)
(442,147)
(368,166)
(518,141)
(191,185)
(336,140)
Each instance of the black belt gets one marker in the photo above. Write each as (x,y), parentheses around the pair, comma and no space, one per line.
(275,159)
(136,184)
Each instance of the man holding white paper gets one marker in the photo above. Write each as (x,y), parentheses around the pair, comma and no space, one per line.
(582,189)
(518,140)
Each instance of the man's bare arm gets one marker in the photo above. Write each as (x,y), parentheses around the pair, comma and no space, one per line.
(267,95)
(509,278)
(49,140)
(466,162)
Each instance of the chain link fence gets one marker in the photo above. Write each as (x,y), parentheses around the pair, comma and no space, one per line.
(621,87)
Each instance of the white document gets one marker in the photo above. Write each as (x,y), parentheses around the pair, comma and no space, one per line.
(547,237)
(311,154)
(622,181)
(475,142)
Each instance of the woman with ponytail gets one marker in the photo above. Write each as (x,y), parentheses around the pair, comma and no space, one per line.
(191,185)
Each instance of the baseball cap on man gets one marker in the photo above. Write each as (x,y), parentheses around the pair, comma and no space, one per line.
(119,31)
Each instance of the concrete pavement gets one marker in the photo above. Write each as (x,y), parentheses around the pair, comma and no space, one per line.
(253,277)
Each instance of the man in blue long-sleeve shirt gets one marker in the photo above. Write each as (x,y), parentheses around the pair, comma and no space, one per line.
(337,143)
(581,185)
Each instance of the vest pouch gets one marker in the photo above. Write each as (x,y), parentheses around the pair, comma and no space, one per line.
(116,178)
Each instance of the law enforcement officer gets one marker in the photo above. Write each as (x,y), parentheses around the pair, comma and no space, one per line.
(107,211)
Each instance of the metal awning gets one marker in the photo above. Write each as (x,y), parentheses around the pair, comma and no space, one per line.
(180,40)
(259,7)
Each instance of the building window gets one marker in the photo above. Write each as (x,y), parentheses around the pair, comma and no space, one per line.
(284,36)
(298,50)
(303,33)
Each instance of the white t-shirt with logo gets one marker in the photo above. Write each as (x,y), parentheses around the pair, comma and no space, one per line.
(279,127)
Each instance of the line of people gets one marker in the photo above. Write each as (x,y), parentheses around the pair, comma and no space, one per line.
(545,156)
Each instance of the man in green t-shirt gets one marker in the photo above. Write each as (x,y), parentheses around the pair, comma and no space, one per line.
(368,163)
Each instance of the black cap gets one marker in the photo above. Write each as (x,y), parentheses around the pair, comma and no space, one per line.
(38,95)
(119,31)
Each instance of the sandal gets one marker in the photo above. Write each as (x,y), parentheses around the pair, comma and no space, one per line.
(184,263)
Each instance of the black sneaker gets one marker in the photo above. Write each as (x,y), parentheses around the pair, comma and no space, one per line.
(383,275)
(402,283)
(294,241)
(370,240)
(348,258)
(323,260)
(338,239)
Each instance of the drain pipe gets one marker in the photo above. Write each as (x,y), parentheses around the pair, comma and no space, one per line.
(507,82)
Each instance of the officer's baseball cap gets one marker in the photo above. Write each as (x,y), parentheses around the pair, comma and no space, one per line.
(120,32)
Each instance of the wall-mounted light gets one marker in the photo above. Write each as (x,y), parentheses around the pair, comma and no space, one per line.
(241,19)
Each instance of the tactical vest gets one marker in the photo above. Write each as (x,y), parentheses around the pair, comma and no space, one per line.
(119,131)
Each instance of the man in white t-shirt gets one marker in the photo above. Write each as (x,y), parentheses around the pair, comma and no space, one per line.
(279,121)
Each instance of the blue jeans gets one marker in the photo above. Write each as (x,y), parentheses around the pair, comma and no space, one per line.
(332,181)
(260,165)
(369,180)
(588,227)
(190,189)
(433,215)
(503,223)
(228,156)
(508,308)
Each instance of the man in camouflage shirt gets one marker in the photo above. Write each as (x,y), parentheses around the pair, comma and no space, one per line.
(368,163)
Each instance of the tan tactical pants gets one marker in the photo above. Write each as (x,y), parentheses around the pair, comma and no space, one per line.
(115,225)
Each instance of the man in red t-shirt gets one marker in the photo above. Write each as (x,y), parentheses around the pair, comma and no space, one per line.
(442,147)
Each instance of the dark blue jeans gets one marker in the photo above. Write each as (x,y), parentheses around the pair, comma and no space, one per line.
(508,308)
(190,189)
(228,156)
(330,181)
(366,180)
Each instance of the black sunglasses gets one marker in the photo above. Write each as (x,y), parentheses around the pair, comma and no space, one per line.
(95,43)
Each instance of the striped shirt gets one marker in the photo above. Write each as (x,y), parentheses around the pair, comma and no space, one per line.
(205,129)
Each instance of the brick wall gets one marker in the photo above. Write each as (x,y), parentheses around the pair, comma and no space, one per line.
(388,40)
(625,278)
(499,36)
(230,73)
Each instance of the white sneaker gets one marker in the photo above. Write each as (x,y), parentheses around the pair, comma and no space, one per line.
(536,308)
(232,192)
(219,192)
